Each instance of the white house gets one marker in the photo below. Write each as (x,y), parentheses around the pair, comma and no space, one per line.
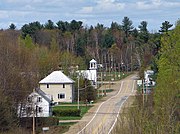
(90,74)
(38,104)
(59,86)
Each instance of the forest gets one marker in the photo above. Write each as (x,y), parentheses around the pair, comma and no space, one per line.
(35,50)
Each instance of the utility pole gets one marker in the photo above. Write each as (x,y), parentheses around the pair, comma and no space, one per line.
(33,113)
(101,79)
(78,90)
(143,92)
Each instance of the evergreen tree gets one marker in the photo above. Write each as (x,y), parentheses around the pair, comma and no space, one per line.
(127,26)
(165,27)
(144,35)
(12,26)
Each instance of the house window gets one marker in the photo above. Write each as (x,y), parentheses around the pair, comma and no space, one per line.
(29,99)
(47,85)
(40,109)
(63,85)
(61,96)
(39,99)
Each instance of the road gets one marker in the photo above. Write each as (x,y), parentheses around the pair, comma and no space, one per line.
(102,118)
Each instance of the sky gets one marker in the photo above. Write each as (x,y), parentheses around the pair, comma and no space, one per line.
(90,12)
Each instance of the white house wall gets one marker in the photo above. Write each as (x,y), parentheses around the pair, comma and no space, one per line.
(55,89)
(44,104)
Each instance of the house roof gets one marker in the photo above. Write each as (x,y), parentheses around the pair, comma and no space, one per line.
(56,77)
(42,94)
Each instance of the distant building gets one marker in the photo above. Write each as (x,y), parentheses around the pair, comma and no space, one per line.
(59,86)
(90,74)
(147,78)
(37,103)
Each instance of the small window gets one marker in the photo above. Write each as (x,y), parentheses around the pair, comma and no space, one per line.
(63,85)
(29,99)
(39,99)
(47,85)
(61,96)
(40,109)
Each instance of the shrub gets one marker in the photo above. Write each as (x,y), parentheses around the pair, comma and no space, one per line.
(66,112)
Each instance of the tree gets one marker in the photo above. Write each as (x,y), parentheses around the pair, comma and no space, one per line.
(63,26)
(144,35)
(12,26)
(167,90)
(49,25)
(127,26)
(75,25)
(165,27)
(115,25)
(31,29)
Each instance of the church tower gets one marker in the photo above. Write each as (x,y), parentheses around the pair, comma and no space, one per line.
(93,71)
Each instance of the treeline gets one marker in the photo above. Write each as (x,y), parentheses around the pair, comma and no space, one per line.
(160,112)
(117,44)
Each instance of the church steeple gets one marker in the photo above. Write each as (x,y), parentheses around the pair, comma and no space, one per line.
(92,65)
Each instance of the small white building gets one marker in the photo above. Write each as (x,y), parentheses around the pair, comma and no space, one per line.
(90,74)
(147,78)
(37,104)
(59,86)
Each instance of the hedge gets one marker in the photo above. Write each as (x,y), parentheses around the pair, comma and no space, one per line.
(67,112)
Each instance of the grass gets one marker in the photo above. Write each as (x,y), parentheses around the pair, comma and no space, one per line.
(69,103)
(66,123)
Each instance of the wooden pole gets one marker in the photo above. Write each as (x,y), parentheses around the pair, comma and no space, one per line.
(33,113)
(143,92)
(78,91)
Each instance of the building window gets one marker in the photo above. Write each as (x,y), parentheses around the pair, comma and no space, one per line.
(29,99)
(40,109)
(47,85)
(61,96)
(39,99)
(63,85)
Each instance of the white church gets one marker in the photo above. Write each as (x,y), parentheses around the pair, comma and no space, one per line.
(90,74)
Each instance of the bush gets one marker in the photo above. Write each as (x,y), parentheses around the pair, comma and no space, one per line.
(66,112)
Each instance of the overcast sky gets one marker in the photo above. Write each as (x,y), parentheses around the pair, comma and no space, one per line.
(91,12)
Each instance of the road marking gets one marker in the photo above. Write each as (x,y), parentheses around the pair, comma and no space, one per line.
(120,109)
(100,107)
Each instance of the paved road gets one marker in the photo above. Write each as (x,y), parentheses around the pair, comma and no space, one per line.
(102,118)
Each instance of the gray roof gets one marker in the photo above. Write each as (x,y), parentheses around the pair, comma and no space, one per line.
(56,77)
(44,95)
